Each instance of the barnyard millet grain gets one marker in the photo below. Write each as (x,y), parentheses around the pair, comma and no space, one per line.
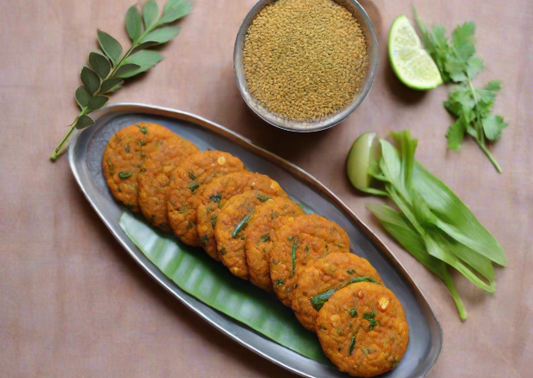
(305,59)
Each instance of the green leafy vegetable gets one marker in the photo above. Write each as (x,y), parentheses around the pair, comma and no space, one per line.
(241,225)
(352,344)
(471,106)
(370,317)
(263,198)
(124,175)
(192,187)
(318,300)
(293,254)
(210,282)
(432,223)
(216,198)
(110,66)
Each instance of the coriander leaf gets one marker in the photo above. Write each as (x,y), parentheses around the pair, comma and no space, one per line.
(83,122)
(474,67)
(455,135)
(109,85)
(124,69)
(493,126)
(493,86)
(161,35)
(100,64)
(90,80)
(97,102)
(457,63)
(145,59)
(134,23)
(110,46)
(463,43)
(150,13)
(82,97)
(175,9)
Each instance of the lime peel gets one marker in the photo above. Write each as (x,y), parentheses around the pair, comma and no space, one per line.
(411,63)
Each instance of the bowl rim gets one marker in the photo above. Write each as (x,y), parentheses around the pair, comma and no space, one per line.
(324,123)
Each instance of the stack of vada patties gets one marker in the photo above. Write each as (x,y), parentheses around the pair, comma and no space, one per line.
(246,221)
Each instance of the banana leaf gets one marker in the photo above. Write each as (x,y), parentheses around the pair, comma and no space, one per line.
(210,282)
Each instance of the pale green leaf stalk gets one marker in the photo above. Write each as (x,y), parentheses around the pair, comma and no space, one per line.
(432,223)
(112,66)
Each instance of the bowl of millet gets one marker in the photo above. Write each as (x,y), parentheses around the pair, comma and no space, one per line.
(305,65)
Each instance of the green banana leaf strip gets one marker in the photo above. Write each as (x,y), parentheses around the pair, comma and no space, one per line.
(210,282)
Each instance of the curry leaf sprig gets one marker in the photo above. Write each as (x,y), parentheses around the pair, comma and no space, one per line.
(430,221)
(108,68)
(471,106)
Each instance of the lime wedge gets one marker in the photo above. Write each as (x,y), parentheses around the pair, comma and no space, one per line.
(411,63)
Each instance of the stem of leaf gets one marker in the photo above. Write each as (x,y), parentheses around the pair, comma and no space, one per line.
(457,300)
(58,151)
(479,128)
(489,155)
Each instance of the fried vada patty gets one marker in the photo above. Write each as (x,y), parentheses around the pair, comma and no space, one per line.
(187,182)
(332,271)
(154,177)
(298,242)
(215,195)
(266,219)
(230,228)
(363,330)
(124,156)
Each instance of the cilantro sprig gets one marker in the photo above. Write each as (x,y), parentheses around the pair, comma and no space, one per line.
(471,106)
(109,67)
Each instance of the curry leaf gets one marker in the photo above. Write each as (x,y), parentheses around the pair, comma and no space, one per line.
(100,64)
(150,13)
(125,69)
(90,80)
(175,9)
(161,35)
(96,102)
(83,122)
(82,97)
(108,69)
(145,59)
(110,46)
(134,23)
(110,84)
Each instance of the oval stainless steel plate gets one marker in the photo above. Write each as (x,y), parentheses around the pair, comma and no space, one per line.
(85,157)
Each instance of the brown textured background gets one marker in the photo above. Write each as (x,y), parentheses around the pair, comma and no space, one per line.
(72,303)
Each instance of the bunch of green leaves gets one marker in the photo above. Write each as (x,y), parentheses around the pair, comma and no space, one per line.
(430,221)
(109,67)
(471,106)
